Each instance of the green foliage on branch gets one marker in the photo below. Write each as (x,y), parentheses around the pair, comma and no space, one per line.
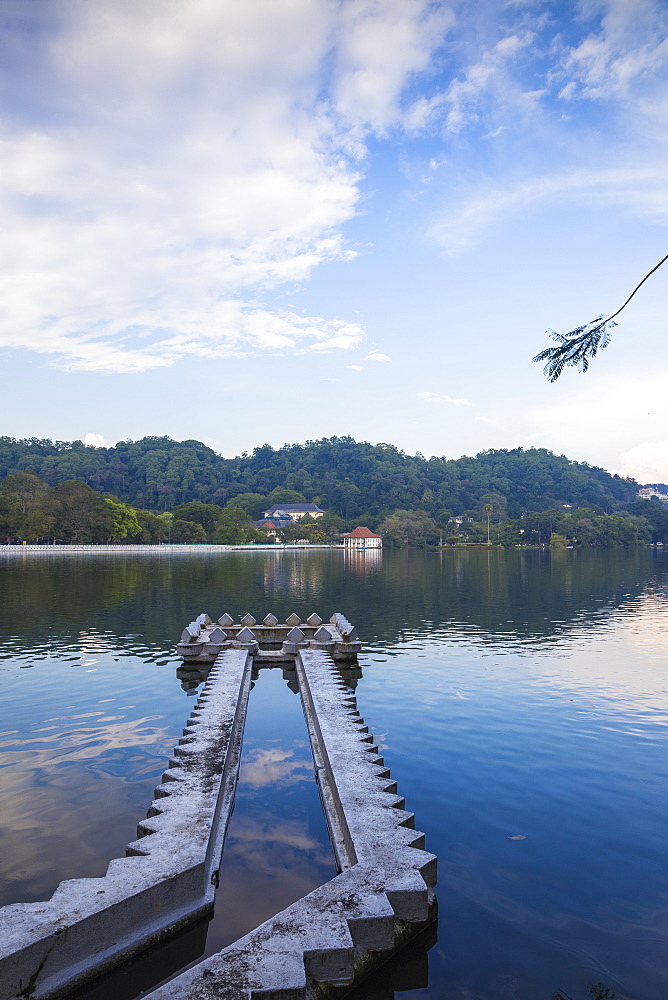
(578,347)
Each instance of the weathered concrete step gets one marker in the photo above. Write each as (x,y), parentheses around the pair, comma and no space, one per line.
(322,942)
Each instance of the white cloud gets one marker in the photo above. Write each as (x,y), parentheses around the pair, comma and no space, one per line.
(183,161)
(274,766)
(643,189)
(230,328)
(355,368)
(630,45)
(377,356)
(646,462)
(95,441)
(435,397)
(602,419)
(381,45)
(486,87)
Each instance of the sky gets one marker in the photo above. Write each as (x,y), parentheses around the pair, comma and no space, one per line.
(250,221)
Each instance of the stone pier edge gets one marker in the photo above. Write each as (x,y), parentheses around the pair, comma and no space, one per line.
(383,896)
(330,938)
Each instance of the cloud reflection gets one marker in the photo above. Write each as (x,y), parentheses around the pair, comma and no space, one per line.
(275,766)
(267,865)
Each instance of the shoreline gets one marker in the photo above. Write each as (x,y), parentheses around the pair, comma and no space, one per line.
(160,547)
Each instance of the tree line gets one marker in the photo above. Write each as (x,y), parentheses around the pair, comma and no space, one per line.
(582,527)
(72,511)
(355,481)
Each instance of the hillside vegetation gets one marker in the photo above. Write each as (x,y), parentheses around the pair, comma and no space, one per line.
(351,479)
(157,490)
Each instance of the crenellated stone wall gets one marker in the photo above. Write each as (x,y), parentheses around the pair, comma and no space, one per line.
(331,938)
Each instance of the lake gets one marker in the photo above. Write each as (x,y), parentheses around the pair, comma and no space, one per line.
(519,698)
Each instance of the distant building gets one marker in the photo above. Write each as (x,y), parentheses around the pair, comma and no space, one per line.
(270,526)
(647,492)
(362,538)
(652,493)
(286,512)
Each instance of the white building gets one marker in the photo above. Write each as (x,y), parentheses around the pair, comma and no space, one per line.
(362,538)
(647,492)
(293,511)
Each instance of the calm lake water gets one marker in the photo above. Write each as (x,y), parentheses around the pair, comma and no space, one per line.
(520,700)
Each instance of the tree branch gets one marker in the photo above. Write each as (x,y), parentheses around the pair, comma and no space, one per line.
(580,345)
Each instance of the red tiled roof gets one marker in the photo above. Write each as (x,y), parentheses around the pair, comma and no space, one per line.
(361,533)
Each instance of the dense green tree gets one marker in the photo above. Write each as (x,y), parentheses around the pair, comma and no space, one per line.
(229,533)
(307,529)
(206,514)
(253,503)
(27,506)
(187,531)
(508,533)
(73,511)
(125,523)
(498,503)
(586,528)
(235,527)
(82,514)
(409,527)
(350,479)
(282,495)
(332,525)
(238,516)
(152,528)
(655,515)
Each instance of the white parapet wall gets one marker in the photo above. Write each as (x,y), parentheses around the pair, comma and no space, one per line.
(165,548)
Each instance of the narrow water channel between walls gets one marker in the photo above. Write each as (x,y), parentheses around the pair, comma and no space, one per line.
(277,847)
(277,850)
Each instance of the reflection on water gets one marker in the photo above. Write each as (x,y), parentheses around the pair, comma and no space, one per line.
(521,697)
(596,991)
(277,848)
(406,972)
(83,740)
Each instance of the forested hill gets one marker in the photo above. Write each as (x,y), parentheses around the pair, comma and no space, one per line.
(349,478)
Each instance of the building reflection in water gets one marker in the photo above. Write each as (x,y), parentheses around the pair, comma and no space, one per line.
(294,571)
(362,562)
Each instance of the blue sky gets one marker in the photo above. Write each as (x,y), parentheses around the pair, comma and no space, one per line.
(249,221)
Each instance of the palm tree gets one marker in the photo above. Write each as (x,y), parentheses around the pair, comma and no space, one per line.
(487,511)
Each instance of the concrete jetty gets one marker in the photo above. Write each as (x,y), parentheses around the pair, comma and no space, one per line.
(330,939)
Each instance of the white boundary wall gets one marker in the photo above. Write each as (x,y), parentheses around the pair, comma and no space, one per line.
(162,548)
